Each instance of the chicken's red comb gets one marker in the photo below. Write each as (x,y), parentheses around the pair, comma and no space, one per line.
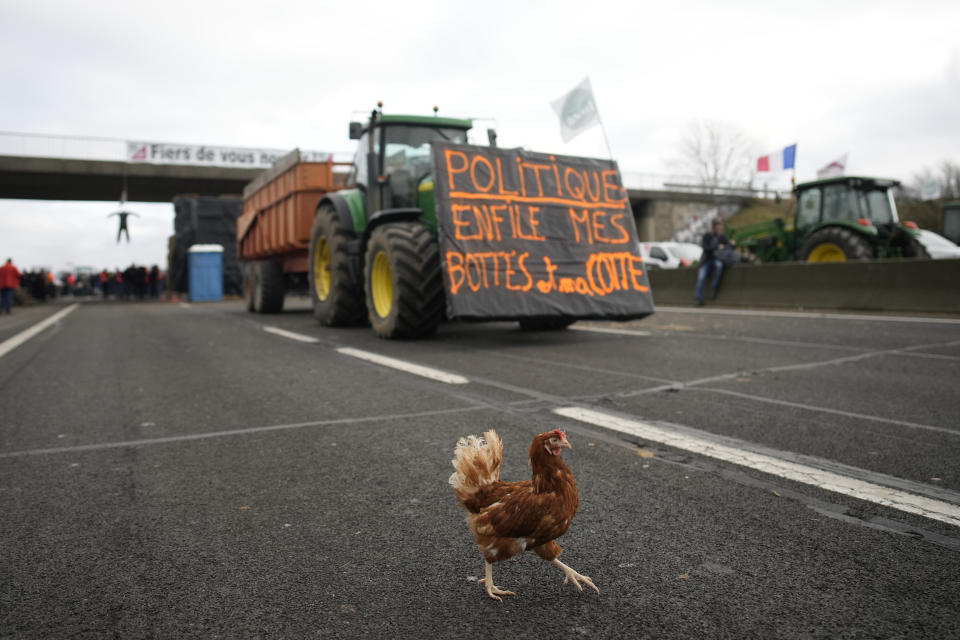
(560,434)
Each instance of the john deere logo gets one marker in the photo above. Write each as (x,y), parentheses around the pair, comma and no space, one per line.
(577,109)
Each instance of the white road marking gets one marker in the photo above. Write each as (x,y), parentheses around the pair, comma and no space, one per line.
(829,481)
(10,344)
(290,334)
(809,315)
(623,332)
(403,365)
(185,305)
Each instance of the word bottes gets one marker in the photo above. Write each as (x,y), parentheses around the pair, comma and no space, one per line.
(602,274)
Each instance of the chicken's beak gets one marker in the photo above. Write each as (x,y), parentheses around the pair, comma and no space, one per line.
(566,443)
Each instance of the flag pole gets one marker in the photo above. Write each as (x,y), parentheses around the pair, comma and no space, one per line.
(604,129)
(793,178)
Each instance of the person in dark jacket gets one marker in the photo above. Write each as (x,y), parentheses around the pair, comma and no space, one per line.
(714,243)
(9,281)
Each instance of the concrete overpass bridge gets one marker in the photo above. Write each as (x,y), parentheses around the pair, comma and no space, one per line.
(41,167)
(45,167)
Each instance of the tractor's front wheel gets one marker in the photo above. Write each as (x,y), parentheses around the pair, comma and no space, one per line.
(335,290)
(835,244)
(404,288)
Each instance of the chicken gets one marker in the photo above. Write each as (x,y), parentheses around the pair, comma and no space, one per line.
(507,518)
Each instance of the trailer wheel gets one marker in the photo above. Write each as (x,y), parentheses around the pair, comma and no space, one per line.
(336,293)
(546,323)
(404,289)
(249,283)
(268,288)
(835,244)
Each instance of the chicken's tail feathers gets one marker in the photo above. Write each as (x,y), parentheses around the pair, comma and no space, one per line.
(476,461)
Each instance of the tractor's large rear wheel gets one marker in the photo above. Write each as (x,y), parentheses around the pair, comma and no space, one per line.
(835,244)
(336,291)
(404,288)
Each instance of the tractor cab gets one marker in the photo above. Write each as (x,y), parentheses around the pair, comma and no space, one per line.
(393,155)
(847,200)
(849,218)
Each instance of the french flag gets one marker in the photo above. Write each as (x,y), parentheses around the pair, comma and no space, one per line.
(778,160)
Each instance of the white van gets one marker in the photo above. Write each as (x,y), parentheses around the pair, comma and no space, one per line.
(670,255)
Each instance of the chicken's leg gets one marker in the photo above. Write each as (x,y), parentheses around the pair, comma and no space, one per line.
(493,590)
(573,575)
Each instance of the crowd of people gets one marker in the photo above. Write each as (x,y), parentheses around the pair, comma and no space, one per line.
(136,282)
(133,283)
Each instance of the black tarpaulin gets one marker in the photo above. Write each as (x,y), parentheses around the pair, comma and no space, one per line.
(205,220)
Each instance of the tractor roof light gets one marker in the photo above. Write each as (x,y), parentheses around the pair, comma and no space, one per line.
(864,222)
(910,224)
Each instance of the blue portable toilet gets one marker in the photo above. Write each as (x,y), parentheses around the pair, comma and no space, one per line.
(205,272)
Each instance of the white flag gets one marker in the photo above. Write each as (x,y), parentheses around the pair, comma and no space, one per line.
(836,168)
(577,111)
(930,191)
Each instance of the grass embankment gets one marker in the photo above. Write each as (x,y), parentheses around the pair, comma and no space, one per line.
(761,211)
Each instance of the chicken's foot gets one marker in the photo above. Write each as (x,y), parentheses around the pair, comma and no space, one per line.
(493,590)
(570,574)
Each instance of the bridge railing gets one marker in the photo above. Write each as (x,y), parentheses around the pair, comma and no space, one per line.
(34,145)
(690,184)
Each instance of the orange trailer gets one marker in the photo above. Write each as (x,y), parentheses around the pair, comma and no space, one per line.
(278,209)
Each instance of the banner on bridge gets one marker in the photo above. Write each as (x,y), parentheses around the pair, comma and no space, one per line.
(205,155)
(526,234)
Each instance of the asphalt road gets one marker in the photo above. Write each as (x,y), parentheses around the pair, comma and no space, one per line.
(177,471)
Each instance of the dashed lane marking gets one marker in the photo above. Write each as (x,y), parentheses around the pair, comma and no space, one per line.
(827,480)
(385,361)
(10,344)
(290,334)
(403,365)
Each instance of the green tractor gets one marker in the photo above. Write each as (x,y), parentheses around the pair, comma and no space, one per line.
(373,253)
(836,219)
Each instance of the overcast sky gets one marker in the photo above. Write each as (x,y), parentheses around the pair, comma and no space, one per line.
(877,80)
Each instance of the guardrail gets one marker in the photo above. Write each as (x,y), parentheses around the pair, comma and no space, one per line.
(903,286)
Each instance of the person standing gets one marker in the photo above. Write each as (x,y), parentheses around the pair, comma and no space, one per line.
(713,243)
(124,228)
(154,281)
(9,281)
